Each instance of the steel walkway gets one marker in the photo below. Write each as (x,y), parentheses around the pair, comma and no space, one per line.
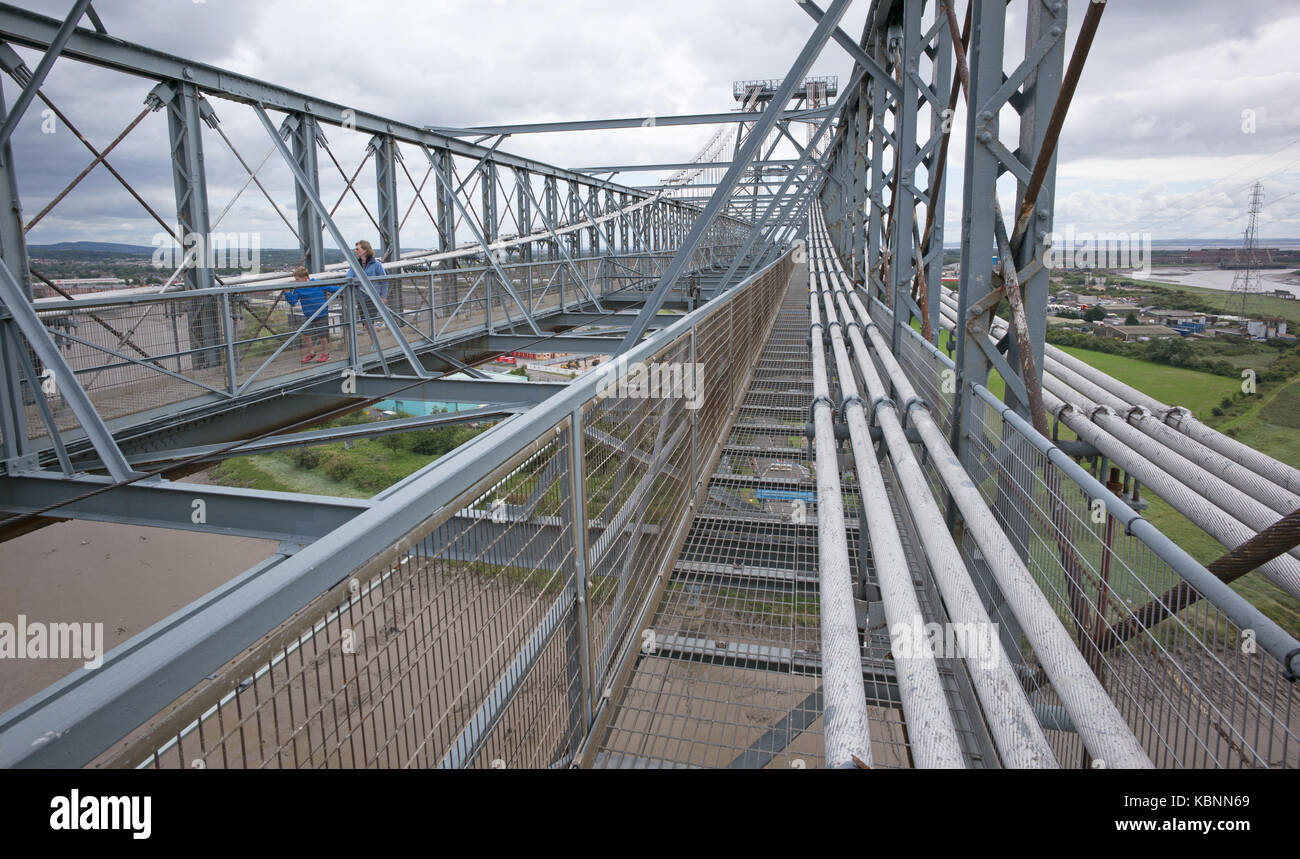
(729,670)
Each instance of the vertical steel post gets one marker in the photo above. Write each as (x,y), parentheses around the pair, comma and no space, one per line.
(577,494)
(446,209)
(304,135)
(386,156)
(523,199)
(551,200)
(13,249)
(979,187)
(186,110)
(905,45)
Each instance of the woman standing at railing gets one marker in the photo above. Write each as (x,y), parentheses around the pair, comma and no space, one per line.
(373,268)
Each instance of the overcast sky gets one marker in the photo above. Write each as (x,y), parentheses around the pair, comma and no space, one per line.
(1154,142)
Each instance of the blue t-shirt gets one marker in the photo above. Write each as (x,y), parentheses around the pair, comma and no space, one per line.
(310,298)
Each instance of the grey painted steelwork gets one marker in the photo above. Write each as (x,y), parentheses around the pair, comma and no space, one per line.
(329,435)
(386,155)
(26,321)
(186,112)
(476,391)
(186,506)
(686,165)
(28,93)
(301,129)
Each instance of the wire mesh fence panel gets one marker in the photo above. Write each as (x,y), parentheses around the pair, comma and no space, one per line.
(637,463)
(132,357)
(934,380)
(457,647)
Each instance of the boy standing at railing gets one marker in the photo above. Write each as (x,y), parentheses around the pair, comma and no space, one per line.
(310,299)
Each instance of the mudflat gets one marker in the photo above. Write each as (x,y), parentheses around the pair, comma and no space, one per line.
(123,576)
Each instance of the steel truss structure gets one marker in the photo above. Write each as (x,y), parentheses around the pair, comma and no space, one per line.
(711,552)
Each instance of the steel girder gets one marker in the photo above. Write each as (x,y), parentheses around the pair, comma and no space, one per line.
(809,115)
(305,135)
(234,511)
(1031,90)
(13,248)
(187,111)
(386,155)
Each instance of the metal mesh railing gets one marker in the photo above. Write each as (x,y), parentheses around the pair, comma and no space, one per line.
(489,634)
(394,667)
(138,353)
(1193,687)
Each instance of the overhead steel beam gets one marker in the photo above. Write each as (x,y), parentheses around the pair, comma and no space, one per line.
(751,147)
(629,122)
(686,165)
(39,31)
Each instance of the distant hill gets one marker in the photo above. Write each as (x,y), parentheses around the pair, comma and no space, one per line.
(101,252)
(92,247)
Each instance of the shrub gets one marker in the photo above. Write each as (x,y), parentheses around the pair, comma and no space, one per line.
(306,457)
(396,441)
(337,465)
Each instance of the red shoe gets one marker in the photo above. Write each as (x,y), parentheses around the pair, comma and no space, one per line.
(309,358)
(324,356)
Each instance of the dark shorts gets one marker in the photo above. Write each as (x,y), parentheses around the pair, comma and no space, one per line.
(318,327)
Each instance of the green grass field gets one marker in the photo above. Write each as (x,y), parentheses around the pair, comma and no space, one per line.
(277,472)
(1175,386)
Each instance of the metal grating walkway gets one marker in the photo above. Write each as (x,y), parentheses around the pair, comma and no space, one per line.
(729,670)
